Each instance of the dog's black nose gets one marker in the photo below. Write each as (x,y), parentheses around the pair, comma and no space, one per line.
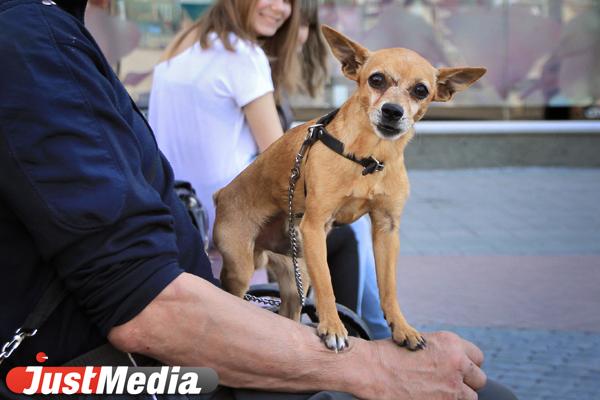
(392,112)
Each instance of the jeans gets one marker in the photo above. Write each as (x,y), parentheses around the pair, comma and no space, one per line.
(369,307)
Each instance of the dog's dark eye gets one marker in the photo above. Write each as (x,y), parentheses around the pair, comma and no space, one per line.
(377,80)
(420,91)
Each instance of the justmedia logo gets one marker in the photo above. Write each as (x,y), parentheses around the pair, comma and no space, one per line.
(110,380)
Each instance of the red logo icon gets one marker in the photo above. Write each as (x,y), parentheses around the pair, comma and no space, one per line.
(41,357)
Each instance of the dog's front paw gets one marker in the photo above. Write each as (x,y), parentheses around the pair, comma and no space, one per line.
(334,335)
(408,337)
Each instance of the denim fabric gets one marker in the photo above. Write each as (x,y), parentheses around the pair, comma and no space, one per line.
(369,307)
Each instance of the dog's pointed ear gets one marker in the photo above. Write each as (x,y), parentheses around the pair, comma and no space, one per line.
(352,55)
(452,80)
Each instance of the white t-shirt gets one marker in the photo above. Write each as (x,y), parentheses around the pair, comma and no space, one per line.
(196,112)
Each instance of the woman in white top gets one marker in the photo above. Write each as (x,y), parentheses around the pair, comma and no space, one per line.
(212,104)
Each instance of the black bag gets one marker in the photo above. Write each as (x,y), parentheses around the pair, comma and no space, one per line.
(197,213)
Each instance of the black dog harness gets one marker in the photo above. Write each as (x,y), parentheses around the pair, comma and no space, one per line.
(318,132)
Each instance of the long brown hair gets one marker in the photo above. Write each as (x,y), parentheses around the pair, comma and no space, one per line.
(313,64)
(235,16)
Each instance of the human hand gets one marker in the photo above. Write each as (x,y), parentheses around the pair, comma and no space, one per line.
(448,368)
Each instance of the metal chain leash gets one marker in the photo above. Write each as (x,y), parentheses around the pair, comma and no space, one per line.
(271,304)
(294,176)
(15,342)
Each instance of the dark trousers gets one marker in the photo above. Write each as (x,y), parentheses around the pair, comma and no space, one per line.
(492,391)
(342,258)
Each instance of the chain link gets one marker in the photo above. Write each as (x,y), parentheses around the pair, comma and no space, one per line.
(292,231)
(15,342)
(294,176)
(272,304)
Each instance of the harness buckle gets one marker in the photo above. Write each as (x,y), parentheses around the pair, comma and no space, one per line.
(313,133)
(372,165)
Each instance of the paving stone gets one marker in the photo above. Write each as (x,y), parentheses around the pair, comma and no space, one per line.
(519,219)
(536,364)
(531,204)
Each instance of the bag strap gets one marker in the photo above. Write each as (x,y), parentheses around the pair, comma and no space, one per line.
(54,294)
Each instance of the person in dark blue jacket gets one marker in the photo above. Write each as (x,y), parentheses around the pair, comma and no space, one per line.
(87,197)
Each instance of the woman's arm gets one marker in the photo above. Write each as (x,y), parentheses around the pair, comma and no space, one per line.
(261,114)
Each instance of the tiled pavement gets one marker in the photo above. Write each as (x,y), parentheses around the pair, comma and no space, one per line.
(539,364)
(510,258)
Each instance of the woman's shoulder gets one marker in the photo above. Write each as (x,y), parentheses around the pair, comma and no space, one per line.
(240,46)
(245,54)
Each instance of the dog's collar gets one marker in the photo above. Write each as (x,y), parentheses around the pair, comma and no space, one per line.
(318,132)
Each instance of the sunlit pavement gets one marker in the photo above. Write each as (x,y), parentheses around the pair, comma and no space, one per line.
(510,258)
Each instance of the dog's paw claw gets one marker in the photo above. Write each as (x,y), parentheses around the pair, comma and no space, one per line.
(421,345)
(335,343)
(334,339)
(409,338)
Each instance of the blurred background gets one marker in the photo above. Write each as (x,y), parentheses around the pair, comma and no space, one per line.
(542,55)
(500,240)
(538,104)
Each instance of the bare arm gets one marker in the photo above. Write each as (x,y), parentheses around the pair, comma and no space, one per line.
(261,114)
(194,323)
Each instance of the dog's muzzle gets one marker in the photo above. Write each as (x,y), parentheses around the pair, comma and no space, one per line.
(391,121)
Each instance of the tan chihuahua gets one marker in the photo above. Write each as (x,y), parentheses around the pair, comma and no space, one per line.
(370,132)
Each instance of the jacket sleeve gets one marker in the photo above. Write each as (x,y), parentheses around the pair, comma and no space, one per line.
(78,176)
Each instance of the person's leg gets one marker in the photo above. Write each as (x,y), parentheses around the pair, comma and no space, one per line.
(369,307)
(258,395)
(342,257)
(495,391)
(225,393)
(492,391)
